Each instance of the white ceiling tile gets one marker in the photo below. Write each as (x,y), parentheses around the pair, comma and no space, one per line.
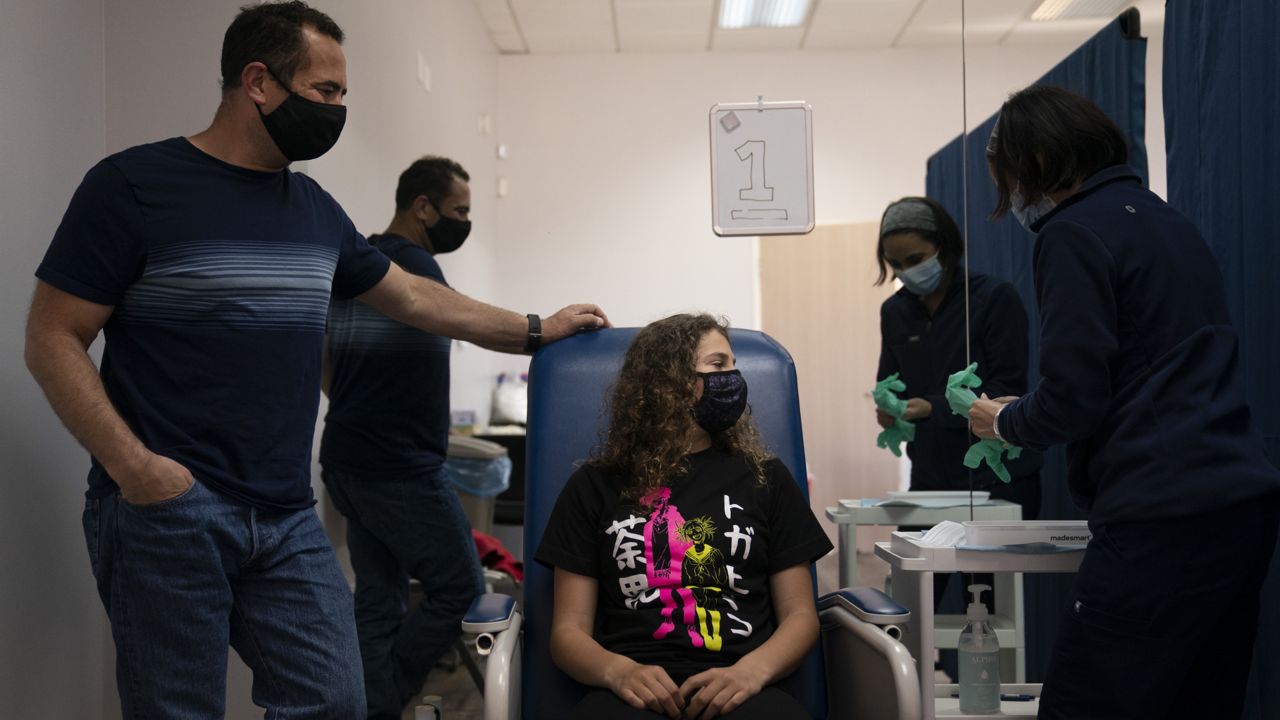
(1074,31)
(571,43)
(1065,32)
(857,23)
(658,25)
(688,42)
(496,15)
(547,26)
(757,39)
(1047,10)
(552,16)
(658,16)
(985,22)
(566,25)
(936,23)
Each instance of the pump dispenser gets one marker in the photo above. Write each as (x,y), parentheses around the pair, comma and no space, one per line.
(979,660)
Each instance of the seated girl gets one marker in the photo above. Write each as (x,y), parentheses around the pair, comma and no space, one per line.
(690,540)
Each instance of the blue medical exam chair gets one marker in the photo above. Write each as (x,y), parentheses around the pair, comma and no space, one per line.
(869,674)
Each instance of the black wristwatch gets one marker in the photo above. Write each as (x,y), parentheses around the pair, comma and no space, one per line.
(535,334)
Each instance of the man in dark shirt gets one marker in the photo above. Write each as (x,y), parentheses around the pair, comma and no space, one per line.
(208,266)
(383,451)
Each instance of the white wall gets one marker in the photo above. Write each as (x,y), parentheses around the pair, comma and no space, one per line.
(87,77)
(392,121)
(52,638)
(609,176)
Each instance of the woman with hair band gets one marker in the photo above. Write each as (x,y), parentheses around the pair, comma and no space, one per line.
(692,543)
(922,338)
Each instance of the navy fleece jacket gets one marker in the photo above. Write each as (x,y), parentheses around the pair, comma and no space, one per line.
(1138,358)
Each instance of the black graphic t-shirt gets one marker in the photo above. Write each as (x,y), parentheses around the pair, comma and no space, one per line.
(684,571)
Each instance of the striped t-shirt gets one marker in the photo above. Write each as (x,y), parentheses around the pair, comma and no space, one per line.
(389,389)
(220,279)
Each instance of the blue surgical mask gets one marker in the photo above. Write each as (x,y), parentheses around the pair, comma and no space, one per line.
(923,278)
(1028,215)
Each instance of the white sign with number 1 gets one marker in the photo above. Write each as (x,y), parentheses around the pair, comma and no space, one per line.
(762,168)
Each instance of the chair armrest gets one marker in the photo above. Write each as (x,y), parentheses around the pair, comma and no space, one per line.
(867,604)
(489,613)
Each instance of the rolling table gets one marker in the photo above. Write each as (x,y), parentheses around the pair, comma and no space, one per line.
(849,514)
(913,566)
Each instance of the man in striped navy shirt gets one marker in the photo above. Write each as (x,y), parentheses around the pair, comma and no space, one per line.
(208,266)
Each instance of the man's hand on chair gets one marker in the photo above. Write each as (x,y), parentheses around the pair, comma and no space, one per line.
(573,319)
(718,691)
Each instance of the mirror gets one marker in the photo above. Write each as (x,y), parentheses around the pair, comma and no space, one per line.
(1007,47)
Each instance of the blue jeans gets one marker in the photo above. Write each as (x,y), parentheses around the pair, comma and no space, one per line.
(412,526)
(183,577)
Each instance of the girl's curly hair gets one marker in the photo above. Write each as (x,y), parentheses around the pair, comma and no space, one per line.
(651,408)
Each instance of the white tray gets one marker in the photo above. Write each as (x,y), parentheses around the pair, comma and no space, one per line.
(936,498)
(1073,533)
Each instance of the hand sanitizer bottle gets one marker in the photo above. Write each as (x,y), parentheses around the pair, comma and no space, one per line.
(979,660)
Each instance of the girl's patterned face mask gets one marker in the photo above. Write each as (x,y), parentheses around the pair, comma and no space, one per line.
(724,398)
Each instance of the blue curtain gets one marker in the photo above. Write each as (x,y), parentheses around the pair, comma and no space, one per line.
(1110,69)
(1222,126)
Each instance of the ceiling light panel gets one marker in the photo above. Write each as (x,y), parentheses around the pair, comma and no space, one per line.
(1065,33)
(739,14)
(1072,9)
(757,39)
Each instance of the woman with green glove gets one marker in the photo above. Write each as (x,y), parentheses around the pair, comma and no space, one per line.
(922,330)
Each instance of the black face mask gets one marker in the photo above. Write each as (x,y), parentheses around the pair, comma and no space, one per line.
(724,398)
(303,129)
(448,234)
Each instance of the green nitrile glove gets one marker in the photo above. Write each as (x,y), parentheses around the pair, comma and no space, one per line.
(991,451)
(892,438)
(959,393)
(885,397)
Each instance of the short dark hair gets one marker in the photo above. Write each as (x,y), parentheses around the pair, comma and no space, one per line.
(271,33)
(1048,138)
(946,237)
(430,175)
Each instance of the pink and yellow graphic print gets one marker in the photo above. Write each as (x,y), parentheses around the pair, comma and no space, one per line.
(664,550)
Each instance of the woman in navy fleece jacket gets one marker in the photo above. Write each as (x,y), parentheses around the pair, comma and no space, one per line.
(1141,381)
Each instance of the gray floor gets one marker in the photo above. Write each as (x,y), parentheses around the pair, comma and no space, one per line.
(461,699)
